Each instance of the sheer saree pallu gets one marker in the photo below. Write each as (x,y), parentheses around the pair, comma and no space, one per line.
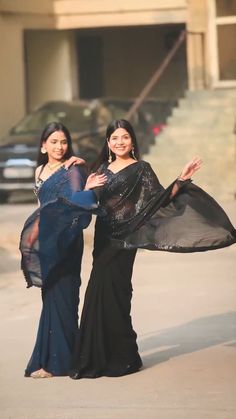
(142,214)
(65,209)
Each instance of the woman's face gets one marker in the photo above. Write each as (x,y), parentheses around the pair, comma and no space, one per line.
(120,143)
(56,146)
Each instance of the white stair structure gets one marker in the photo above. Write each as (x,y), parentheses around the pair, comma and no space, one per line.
(203,124)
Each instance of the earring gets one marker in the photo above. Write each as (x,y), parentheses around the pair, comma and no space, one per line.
(109,156)
(43,150)
(133,155)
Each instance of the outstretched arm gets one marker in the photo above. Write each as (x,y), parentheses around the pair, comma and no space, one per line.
(187,172)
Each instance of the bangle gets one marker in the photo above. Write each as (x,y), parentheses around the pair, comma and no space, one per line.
(181,182)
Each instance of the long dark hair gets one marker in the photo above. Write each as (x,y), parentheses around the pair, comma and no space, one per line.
(48,130)
(104,154)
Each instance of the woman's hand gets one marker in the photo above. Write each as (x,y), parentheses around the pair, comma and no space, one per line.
(190,168)
(94,181)
(74,160)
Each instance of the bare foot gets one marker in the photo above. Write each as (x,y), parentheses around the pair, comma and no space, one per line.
(41,374)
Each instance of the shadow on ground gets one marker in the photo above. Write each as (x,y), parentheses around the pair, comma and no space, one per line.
(187,338)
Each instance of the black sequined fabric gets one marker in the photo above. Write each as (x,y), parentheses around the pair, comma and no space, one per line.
(141,213)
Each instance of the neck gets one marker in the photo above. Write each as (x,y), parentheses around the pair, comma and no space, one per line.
(123,159)
(55,164)
(54,161)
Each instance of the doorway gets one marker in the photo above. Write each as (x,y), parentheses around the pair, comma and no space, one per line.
(90,57)
(118,62)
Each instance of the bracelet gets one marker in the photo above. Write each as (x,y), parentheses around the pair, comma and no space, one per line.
(181,182)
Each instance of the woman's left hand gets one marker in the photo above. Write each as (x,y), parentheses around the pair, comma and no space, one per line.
(74,160)
(190,168)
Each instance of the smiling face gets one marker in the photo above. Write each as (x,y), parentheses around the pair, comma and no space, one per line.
(120,143)
(56,146)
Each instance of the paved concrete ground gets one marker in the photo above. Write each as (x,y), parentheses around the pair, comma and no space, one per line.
(184,311)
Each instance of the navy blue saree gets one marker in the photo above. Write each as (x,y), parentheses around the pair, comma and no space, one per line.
(51,246)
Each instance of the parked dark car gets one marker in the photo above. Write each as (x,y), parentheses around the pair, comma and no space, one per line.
(86,120)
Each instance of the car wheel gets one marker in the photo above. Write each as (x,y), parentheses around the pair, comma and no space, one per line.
(3,197)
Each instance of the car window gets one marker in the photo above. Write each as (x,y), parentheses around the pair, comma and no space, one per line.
(75,118)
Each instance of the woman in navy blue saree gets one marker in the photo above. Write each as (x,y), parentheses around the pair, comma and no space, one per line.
(52,245)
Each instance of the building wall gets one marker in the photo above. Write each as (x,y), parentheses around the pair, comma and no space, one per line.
(24,84)
(50,66)
(16,16)
(12,103)
(26,7)
(107,13)
(128,68)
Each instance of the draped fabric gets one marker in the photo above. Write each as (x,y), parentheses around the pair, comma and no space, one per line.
(107,342)
(52,247)
(65,209)
(140,213)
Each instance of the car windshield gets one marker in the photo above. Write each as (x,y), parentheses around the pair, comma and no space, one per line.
(75,117)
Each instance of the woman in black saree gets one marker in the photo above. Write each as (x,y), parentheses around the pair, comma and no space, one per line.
(52,246)
(140,213)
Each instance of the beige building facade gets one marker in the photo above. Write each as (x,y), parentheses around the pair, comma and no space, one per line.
(65,49)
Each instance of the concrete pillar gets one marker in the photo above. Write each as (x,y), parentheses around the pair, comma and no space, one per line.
(196,44)
(12,77)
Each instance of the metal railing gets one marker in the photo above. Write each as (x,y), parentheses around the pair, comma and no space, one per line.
(156,76)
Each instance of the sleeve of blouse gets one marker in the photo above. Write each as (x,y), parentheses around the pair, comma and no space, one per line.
(151,182)
(158,190)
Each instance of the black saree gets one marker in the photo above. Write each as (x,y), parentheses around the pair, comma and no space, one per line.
(140,213)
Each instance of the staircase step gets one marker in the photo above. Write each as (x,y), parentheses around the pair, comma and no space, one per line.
(201,111)
(203,125)
(202,95)
(211,122)
(179,136)
(208,104)
(189,130)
